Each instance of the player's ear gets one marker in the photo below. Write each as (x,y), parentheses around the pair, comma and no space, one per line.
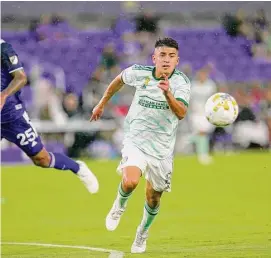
(153,59)
(178,59)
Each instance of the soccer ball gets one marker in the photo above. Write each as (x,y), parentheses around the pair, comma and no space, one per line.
(221,109)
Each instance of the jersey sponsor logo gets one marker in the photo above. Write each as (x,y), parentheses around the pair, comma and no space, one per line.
(150,103)
(14,60)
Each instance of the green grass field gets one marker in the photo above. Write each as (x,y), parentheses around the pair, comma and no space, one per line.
(221,210)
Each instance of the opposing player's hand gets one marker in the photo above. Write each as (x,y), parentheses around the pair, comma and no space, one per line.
(3,100)
(97,112)
(164,84)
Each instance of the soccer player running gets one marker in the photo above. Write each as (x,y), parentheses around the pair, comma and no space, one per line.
(161,100)
(202,88)
(16,126)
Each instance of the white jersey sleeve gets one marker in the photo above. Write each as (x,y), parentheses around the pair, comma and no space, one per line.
(181,89)
(134,75)
(129,76)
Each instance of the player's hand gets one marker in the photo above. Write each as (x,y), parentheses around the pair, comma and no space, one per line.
(164,84)
(97,112)
(3,100)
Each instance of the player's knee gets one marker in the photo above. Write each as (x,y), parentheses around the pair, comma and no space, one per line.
(42,160)
(153,201)
(130,183)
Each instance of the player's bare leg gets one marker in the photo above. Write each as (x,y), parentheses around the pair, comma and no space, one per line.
(151,209)
(130,180)
(42,159)
(60,161)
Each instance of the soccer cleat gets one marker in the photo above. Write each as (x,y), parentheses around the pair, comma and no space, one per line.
(113,217)
(87,177)
(140,243)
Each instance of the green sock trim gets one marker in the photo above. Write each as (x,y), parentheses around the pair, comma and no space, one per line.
(148,217)
(123,196)
(122,193)
(151,211)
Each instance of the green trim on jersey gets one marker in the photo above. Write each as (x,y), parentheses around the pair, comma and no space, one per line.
(142,67)
(177,72)
(158,79)
(182,100)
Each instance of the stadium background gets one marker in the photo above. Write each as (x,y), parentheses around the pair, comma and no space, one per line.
(71,51)
(76,50)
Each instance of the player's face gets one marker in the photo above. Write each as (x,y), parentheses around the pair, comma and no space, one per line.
(203,76)
(165,59)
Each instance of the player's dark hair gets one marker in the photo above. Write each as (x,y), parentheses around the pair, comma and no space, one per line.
(167,42)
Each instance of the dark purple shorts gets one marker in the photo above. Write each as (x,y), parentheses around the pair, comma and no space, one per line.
(23,134)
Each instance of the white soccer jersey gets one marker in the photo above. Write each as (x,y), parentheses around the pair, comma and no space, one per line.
(150,124)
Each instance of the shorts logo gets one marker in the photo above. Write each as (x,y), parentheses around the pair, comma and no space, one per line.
(168,181)
(124,160)
(13,60)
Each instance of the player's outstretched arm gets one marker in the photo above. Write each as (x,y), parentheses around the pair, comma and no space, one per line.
(113,87)
(177,107)
(19,81)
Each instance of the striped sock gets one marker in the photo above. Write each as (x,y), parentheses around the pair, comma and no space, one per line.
(148,216)
(122,196)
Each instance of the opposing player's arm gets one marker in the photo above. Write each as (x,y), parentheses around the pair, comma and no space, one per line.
(11,62)
(19,81)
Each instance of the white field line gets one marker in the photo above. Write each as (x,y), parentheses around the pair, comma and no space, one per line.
(112,253)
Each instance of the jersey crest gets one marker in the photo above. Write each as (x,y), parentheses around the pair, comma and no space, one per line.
(147,80)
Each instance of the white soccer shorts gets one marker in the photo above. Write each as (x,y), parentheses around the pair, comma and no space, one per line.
(157,172)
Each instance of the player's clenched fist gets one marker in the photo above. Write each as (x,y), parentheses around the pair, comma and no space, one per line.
(164,84)
(97,112)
